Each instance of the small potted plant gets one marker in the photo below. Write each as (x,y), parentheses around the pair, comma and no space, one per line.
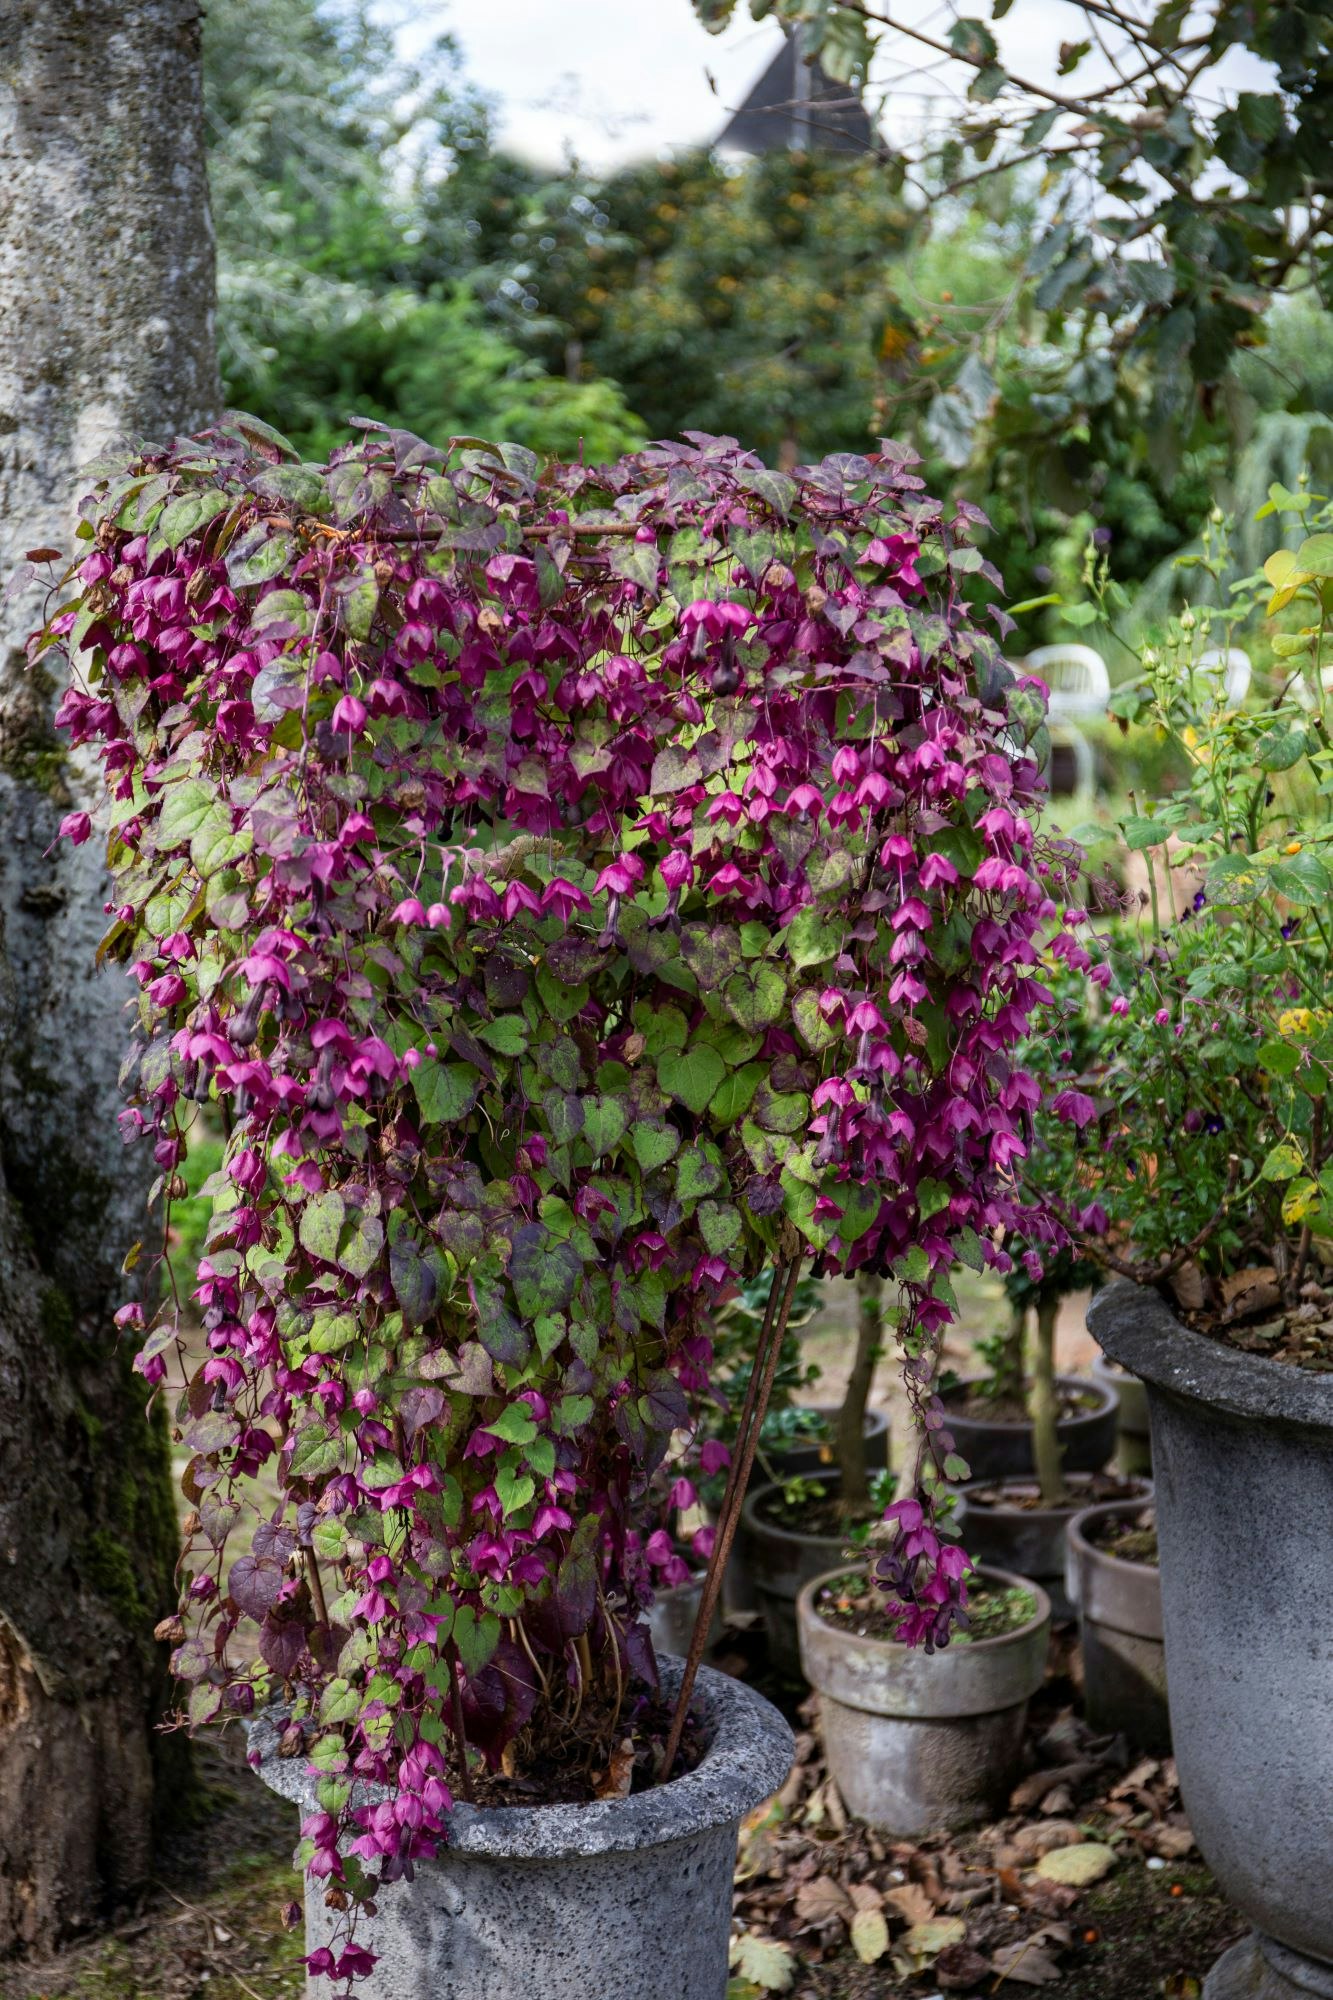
(1113,1579)
(916,1742)
(580,891)
(1019,1520)
(796,1524)
(1203,1134)
(993,1416)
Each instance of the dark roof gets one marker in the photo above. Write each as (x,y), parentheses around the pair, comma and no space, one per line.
(835,118)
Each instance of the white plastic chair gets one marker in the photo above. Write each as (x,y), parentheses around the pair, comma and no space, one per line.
(1300,689)
(1080,688)
(1235,665)
(1077,678)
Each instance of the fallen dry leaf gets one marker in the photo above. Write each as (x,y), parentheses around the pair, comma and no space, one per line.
(615,1781)
(821,1901)
(870,1935)
(1026,1962)
(865,1895)
(958,1968)
(911,1903)
(1173,1843)
(924,1942)
(1078,1866)
(1032,1790)
(763,1961)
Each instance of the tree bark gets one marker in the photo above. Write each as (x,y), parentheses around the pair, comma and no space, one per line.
(854,1484)
(1047,1451)
(106,330)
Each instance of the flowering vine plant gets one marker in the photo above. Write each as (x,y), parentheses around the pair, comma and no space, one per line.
(1190,1144)
(580,891)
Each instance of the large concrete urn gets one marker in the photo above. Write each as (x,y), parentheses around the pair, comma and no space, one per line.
(1243,1456)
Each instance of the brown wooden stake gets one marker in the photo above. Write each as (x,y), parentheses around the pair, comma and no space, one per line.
(747,1440)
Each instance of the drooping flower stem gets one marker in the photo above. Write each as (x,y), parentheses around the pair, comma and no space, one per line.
(776,1314)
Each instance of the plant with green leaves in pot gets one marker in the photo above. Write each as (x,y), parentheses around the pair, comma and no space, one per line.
(1202,1144)
(916,1744)
(583,890)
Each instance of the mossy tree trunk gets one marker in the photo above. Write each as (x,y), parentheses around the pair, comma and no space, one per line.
(851,1437)
(106,302)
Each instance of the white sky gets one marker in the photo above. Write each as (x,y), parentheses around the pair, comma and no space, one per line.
(611,80)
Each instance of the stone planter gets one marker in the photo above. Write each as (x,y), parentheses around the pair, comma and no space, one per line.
(1133,1449)
(1119,1607)
(801,1460)
(1028,1540)
(1004,1451)
(1243,1449)
(625,1896)
(780,1562)
(919,1741)
(672,1614)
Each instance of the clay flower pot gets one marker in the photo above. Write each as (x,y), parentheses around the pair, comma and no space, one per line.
(1119,1606)
(1133,1450)
(1004,1450)
(919,1741)
(1243,1448)
(631,1895)
(1016,1535)
(780,1561)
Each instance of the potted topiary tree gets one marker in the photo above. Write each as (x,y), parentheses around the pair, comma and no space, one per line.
(581,891)
(1203,1134)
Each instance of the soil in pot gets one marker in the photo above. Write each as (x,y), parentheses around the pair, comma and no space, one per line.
(917,1741)
(803,1442)
(1005,1523)
(541,1900)
(995,1435)
(790,1534)
(1112,1577)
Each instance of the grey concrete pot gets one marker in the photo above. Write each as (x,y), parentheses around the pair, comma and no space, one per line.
(739,1593)
(1004,1451)
(1029,1540)
(780,1562)
(1133,1448)
(919,1741)
(1119,1607)
(672,1615)
(628,1898)
(1244,1491)
(801,1460)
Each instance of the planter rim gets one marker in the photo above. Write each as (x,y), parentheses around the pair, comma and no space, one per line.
(756,1522)
(1080,1540)
(1136,1327)
(974,1486)
(974,1647)
(1105,1392)
(748,1759)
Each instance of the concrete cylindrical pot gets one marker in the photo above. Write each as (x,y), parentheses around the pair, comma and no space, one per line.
(780,1562)
(672,1615)
(919,1741)
(1119,1607)
(625,1896)
(800,1460)
(797,1461)
(1243,1450)
(1029,1540)
(1133,1448)
(1004,1451)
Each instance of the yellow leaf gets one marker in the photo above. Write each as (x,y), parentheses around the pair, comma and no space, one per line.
(870,1935)
(763,1960)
